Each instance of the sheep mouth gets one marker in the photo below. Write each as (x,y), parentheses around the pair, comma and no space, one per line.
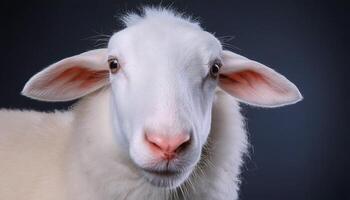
(164,173)
(163,178)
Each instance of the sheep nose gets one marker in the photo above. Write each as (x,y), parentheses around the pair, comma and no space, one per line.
(168,145)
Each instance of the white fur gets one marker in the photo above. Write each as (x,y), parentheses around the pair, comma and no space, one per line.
(96,150)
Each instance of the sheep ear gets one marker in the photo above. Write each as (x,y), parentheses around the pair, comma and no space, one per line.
(254,83)
(70,78)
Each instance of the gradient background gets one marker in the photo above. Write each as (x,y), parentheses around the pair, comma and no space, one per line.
(298,152)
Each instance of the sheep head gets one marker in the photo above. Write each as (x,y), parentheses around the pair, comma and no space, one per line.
(163,70)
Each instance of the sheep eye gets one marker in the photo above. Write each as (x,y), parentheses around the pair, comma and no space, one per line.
(113,64)
(215,69)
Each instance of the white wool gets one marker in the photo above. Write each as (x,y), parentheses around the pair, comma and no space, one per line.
(150,14)
(32,147)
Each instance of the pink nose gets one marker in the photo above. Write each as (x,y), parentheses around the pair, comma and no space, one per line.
(168,145)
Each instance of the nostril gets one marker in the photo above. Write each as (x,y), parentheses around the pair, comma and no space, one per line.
(154,144)
(183,146)
(155,141)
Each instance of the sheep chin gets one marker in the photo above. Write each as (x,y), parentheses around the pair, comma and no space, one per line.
(166,179)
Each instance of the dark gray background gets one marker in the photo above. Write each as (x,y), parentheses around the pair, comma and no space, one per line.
(299,152)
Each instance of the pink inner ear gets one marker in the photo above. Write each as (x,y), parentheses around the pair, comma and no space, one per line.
(76,74)
(252,86)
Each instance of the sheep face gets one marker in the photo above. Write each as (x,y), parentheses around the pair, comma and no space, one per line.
(163,71)
(163,94)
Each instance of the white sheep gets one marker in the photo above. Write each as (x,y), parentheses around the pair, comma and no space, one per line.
(159,118)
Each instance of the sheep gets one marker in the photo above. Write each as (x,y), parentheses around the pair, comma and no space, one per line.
(158,117)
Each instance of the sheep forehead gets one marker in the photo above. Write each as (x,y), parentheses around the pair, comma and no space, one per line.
(162,34)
